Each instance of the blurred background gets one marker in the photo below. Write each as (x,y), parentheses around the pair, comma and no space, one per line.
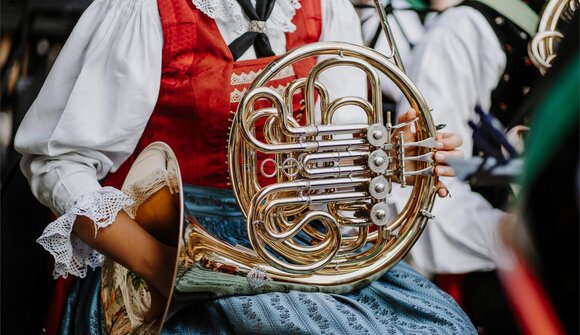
(32,34)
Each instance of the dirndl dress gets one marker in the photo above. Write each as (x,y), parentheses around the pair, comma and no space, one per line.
(400,302)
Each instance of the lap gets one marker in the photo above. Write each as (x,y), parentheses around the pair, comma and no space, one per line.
(401,302)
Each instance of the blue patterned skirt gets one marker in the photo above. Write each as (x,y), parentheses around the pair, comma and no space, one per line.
(400,302)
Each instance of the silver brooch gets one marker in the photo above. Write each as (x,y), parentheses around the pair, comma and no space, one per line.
(258,26)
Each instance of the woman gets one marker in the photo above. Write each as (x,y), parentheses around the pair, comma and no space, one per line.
(138,71)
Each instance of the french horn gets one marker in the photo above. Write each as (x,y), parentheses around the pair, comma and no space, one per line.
(542,49)
(322,220)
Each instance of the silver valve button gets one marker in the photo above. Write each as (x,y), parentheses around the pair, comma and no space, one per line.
(380,187)
(380,214)
(378,161)
(377,135)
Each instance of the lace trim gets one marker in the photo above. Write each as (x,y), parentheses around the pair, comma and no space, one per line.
(71,254)
(245,78)
(229,11)
(237,95)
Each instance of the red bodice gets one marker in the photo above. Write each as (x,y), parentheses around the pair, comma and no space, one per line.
(201,86)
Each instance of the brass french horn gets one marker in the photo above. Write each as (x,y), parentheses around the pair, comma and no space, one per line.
(330,184)
(542,49)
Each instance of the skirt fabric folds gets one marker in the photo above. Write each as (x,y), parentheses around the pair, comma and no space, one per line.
(400,302)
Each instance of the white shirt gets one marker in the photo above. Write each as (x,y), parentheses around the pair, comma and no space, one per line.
(96,101)
(456,67)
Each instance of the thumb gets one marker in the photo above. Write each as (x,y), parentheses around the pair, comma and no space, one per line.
(406,117)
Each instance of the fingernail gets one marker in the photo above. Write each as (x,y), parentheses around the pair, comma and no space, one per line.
(440,157)
(439,145)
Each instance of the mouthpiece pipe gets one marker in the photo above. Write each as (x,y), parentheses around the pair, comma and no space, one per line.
(379,5)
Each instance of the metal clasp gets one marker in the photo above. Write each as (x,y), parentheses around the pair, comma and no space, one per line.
(427,214)
(258,26)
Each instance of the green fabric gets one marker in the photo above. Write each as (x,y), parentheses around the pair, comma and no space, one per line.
(419,5)
(555,117)
(517,12)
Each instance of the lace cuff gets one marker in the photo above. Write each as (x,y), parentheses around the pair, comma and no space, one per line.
(71,254)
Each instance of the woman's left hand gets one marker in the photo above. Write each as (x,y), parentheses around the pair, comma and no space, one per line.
(446,145)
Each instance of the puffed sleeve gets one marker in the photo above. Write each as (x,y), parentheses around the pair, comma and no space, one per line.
(340,23)
(87,120)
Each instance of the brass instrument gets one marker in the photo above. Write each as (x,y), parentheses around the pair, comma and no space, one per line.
(331,183)
(542,49)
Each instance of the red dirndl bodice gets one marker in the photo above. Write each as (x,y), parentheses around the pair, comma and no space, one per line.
(201,87)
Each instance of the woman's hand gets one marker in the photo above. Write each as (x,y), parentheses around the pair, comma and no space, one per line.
(446,145)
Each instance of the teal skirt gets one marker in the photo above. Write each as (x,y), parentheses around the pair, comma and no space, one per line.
(400,302)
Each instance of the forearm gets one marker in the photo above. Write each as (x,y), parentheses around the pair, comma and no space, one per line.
(128,244)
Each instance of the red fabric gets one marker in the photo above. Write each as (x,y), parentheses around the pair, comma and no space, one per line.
(193,111)
(530,302)
(452,284)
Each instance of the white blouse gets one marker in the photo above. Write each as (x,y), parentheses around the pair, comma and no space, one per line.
(100,93)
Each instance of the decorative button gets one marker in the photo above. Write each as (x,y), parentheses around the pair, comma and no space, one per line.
(258,26)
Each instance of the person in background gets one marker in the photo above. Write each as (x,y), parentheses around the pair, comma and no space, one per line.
(473,55)
(466,241)
(406,19)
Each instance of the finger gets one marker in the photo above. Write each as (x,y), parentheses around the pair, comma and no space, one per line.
(448,141)
(443,156)
(450,138)
(409,136)
(444,171)
(407,116)
(442,190)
